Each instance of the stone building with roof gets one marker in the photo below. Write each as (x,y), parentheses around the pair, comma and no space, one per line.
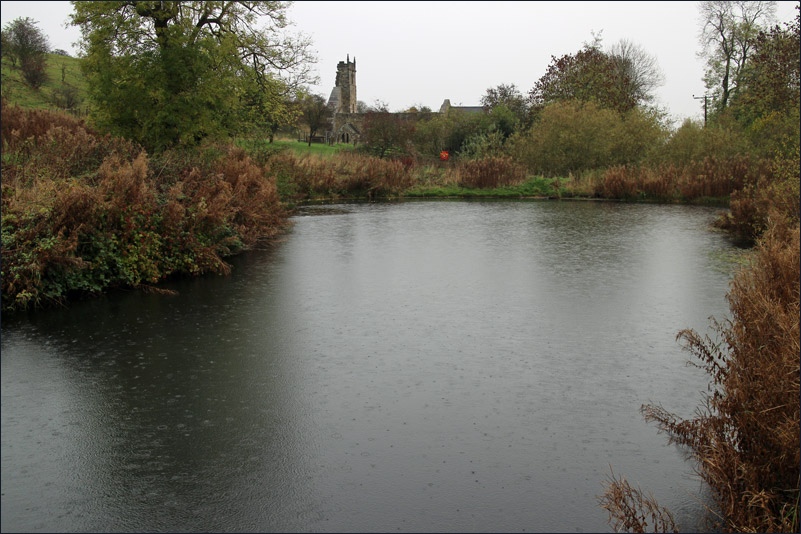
(446,107)
(346,122)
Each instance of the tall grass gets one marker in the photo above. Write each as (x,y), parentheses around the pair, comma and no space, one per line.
(745,439)
(351,174)
(346,175)
(711,178)
(490,172)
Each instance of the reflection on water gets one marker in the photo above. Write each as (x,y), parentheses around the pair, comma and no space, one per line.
(448,366)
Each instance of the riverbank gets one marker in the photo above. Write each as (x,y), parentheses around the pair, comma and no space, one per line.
(84,212)
(354,176)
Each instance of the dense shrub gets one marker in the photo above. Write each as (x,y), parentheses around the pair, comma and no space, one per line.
(452,131)
(775,192)
(571,137)
(483,145)
(66,97)
(83,213)
(692,142)
(776,135)
(385,133)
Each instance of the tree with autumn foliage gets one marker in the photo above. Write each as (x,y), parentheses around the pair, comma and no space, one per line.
(620,80)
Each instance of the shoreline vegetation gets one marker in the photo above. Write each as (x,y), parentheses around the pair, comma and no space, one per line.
(85,212)
(744,439)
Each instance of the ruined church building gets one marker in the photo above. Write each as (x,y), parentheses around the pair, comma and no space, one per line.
(346,122)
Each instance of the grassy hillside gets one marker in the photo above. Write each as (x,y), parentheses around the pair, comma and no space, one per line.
(64,75)
(64,78)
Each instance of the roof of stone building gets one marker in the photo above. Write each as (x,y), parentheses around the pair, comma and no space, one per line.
(333,99)
(446,105)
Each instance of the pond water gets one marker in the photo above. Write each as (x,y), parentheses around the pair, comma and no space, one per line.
(418,366)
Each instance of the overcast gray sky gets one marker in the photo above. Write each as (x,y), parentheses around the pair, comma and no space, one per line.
(420,53)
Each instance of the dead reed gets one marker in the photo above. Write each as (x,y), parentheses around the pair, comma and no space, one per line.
(490,172)
(708,179)
(631,510)
(745,439)
(619,182)
(775,191)
(345,175)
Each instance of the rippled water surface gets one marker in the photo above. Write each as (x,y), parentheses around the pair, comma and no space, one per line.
(422,366)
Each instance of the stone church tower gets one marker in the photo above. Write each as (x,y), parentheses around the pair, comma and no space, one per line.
(343,96)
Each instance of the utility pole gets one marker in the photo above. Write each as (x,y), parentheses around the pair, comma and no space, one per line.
(705,97)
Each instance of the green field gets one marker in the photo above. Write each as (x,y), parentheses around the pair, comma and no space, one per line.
(300,148)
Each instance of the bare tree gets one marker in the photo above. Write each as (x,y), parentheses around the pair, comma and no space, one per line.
(379,106)
(727,35)
(641,69)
